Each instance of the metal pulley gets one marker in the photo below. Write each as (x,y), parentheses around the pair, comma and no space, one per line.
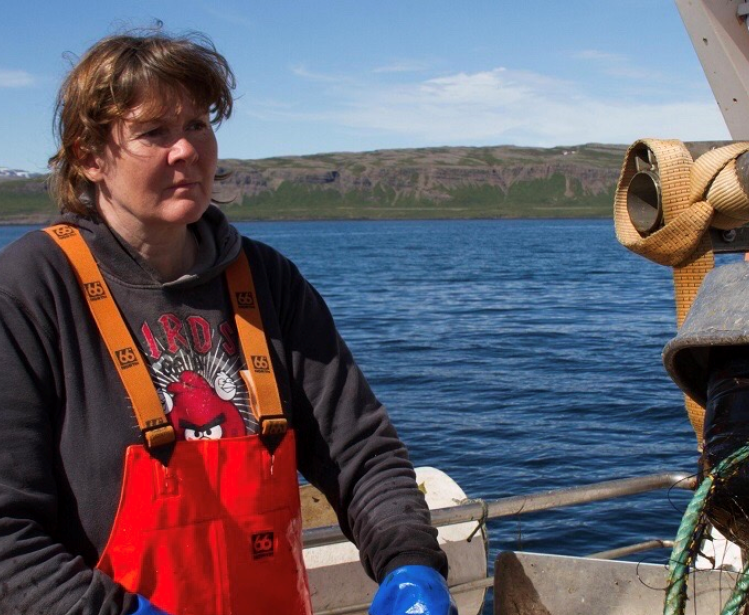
(644,204)
(644,196)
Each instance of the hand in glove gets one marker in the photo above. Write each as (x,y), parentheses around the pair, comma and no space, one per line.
(413,589)
(144,607)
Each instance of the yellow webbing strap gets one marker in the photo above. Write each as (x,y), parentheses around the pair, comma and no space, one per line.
(147,407)
(259,376)
(694,196)
(681,229)
(688,278)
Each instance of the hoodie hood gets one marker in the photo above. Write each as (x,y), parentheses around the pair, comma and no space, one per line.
(218,243)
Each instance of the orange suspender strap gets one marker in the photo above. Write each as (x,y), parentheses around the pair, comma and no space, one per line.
(156,429)
(147,407)
(261,381)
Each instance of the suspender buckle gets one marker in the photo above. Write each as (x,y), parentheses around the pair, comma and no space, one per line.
(158,436)
(273,425)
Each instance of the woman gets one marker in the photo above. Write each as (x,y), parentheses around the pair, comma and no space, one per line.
(159,393)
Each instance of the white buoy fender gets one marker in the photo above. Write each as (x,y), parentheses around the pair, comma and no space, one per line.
(337,579)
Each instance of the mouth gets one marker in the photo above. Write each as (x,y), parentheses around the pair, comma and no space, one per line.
(184,184)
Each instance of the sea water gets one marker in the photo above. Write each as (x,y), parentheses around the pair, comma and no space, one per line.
(517,356)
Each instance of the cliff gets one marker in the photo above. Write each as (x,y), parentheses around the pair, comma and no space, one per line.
(449,182)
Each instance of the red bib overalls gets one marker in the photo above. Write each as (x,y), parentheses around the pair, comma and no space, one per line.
(217,529)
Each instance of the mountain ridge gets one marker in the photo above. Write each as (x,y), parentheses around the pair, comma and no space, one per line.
(438,182)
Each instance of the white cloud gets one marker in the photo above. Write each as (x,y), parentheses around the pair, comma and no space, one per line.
(231,17)
(617,65)
(15,78)
(503,106)
(263,108)
(594,54)
(300,70)
(404,66)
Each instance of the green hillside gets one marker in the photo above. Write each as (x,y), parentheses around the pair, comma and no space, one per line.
(448,182)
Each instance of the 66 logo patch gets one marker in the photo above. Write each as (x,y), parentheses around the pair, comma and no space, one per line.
(126,357)
(95,291)
(261,364)
(63,232)
(245,299)
(262,545)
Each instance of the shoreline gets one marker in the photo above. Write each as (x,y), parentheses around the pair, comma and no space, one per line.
(43,221)
(430,219)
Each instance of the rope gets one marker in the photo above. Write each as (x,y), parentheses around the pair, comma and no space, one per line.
(689,536)
(736,602)
(484,515)
(695,195)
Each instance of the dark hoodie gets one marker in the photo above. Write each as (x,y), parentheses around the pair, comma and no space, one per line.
(67,420)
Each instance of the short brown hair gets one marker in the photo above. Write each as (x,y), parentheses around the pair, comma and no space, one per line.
(107,82)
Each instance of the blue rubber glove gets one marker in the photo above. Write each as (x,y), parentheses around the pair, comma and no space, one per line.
(413,589)
(144,607)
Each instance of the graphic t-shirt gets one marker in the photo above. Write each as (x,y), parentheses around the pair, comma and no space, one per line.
(195,365)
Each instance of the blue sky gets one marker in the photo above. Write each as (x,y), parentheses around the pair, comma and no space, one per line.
(355,75)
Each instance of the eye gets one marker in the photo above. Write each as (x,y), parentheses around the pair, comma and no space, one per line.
(224,386)
(153,133)
(191,434)
(198,125)
(214,433)
(166,401)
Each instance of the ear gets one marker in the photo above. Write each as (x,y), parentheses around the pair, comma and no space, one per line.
(91,164)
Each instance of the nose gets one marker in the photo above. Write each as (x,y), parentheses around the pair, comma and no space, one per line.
(183,149)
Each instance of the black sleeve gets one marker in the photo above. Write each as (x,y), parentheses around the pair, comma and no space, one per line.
(726,423)
(347,446)
(38,576)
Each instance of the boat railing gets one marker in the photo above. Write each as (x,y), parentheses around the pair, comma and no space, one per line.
(482,510)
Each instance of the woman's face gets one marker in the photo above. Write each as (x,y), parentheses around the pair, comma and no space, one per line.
(154,175)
